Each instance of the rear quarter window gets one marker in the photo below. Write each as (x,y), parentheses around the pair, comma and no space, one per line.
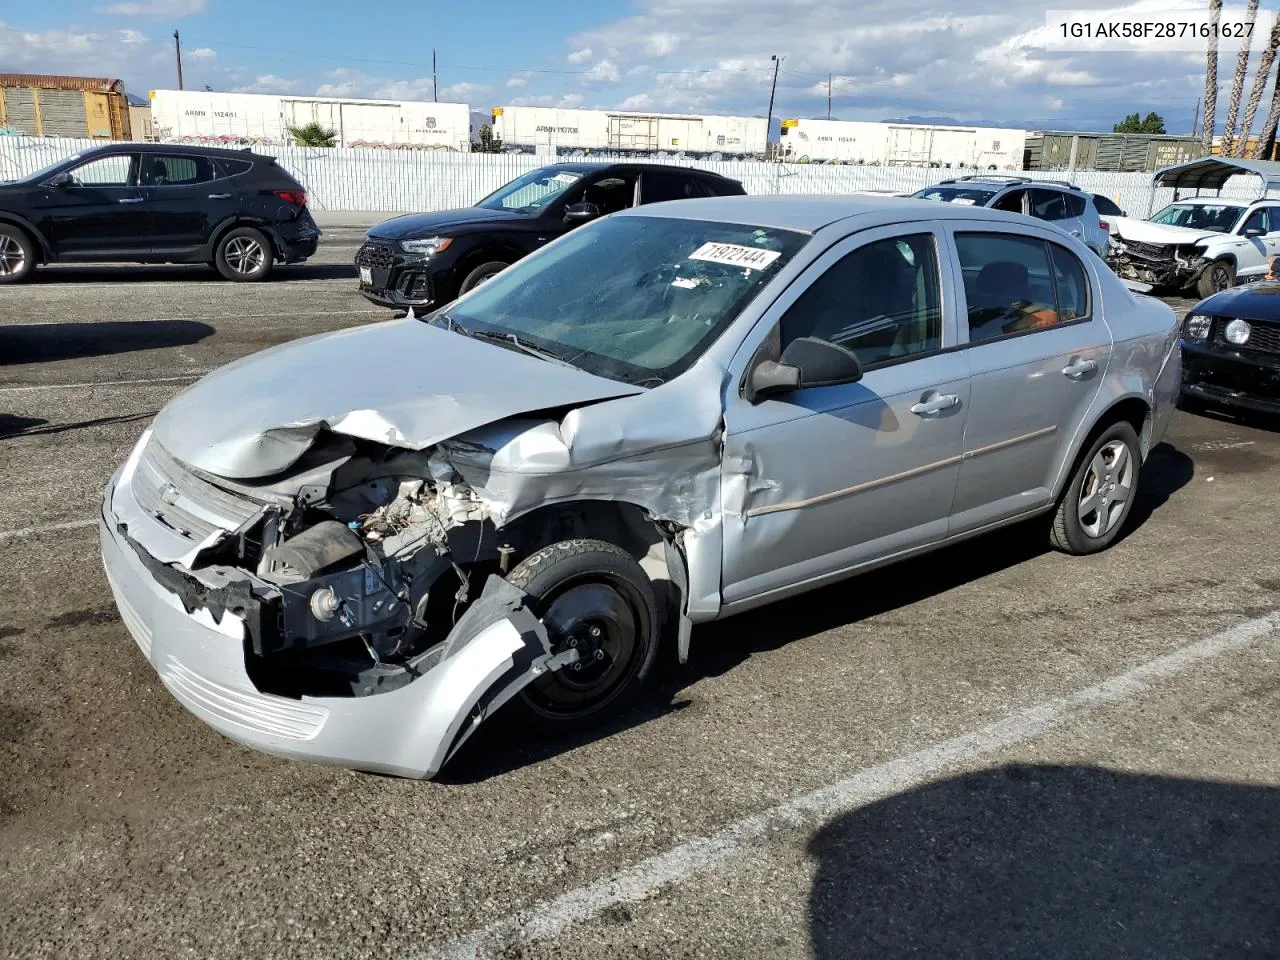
(232,167)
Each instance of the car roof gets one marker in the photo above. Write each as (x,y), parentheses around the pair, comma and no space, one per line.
(1215,201)
(998,182)
(808,214)
(242,153)
(588,166)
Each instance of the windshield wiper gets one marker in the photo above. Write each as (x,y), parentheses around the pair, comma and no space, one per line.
(450,324)
(511,340)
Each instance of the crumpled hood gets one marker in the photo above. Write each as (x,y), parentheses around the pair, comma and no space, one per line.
(402,383)
(1144,231)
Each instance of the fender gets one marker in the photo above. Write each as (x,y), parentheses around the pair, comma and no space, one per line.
(1090,425)
(46,248)
(241,220)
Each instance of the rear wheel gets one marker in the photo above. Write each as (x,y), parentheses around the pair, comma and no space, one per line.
(17,255)
(592,597)
(486,271)
(244,255)
(1099,495)
(1218,276)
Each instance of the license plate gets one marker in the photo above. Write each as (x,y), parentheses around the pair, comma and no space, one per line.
(366,276)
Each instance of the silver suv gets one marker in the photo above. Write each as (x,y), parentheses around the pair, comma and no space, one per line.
(1063,204)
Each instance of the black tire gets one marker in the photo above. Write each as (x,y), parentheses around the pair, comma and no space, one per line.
(480,274)
(592,595)
(1072,532)
(244,255)
(17,254)
(1216,277)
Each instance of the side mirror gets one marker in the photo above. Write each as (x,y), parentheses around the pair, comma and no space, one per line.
(61,181)
(806,362)
(580,212)
(1254,232)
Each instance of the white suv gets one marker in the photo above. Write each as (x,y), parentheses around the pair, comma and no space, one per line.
(1063,204)
(1201,245)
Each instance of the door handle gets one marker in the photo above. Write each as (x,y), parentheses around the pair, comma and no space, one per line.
(935,404)
(1078,367)
(219,196)
(1075,233)
(130,199)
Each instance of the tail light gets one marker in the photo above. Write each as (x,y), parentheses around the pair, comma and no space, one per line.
(1106,227)
(297,197)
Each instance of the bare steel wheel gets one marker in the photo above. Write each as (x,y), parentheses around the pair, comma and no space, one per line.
(244,254)
(593,597)
(1100,493)
(17,255)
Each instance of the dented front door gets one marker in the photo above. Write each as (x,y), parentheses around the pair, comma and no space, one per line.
(824,479)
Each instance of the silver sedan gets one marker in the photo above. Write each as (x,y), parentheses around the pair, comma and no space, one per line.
(356,547)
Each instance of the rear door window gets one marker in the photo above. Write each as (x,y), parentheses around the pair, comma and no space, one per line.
(660,187)
(179,170)
(1016,284)
(1049,205)
(1011,201)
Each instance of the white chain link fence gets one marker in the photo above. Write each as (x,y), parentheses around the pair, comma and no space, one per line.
(344,179)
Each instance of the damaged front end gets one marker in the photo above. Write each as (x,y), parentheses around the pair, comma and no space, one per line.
(1173,266)
(354,612)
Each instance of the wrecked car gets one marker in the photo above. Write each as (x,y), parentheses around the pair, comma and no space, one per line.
(356,547)
(1201,245)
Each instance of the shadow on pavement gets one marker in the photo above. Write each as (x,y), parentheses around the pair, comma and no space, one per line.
(186,273)
(45,342)
(1038,861)
(503,744)
(33,427)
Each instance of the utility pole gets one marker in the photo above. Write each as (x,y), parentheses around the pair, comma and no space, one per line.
(828,96)
(768,124)
(1195,117)
(177,49)
(435,93)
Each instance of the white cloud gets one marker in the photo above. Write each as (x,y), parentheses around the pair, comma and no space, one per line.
(270,83)
(516,80)
(638,101)
(155,9)
(569,100)
(204,53)
(579,56)
(604,72)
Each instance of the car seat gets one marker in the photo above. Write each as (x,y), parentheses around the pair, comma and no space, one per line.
(159,172)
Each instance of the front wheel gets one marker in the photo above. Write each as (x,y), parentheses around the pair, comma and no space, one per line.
(486,271)
(244,255)
(17,255)
(1218,276)
(1099,496)
(595,598)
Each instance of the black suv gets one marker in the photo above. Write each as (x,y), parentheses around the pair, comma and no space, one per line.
(433,258)
(157,203)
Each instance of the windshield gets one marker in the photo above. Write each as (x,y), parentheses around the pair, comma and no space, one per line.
(971,196)
(1214,217)
(532,192)
(42,172)
(632,298)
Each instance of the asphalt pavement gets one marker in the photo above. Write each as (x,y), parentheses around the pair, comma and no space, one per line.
(994,750)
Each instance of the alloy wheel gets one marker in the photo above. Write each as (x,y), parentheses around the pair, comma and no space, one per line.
(245,255)
(1106,490)
(12,257)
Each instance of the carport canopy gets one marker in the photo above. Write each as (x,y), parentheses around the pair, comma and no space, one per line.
(1210,173)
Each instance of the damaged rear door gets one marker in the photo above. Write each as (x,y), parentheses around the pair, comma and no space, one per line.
(825,478)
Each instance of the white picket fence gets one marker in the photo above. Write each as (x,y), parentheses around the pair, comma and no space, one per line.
(345,179)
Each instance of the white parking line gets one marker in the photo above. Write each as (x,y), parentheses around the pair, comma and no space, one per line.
(550,918)
(47,528)
(194,375)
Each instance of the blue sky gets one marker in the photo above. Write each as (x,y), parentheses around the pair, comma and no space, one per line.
(960,58)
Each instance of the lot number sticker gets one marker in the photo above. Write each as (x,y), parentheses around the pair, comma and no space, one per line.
(735,256)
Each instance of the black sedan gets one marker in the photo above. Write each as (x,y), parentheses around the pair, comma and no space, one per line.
(429,259)
(1231,349)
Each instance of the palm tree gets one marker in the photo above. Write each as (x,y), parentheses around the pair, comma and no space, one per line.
(1259,85)
(1211,77)
(1237,85)
(1267,139)
(314,134)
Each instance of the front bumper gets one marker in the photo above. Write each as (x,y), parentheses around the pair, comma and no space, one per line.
(397,279)
(1157,273)
(409,731)
(1215,374)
